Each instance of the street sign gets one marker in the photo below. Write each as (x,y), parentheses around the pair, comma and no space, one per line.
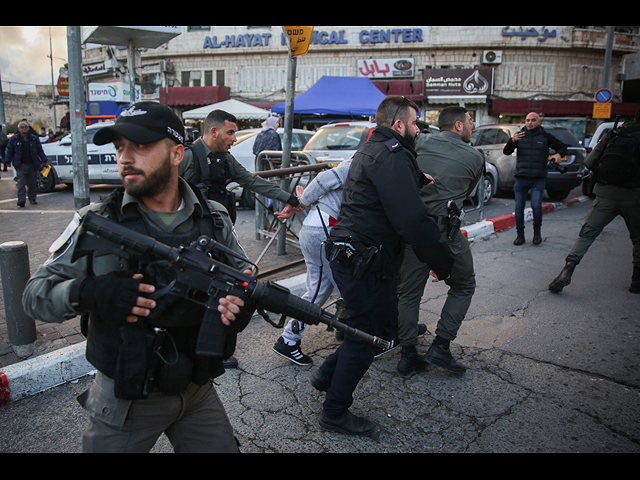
(299,39)
(604,96)
(601,110)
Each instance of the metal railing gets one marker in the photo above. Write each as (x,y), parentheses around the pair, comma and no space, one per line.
(303,169)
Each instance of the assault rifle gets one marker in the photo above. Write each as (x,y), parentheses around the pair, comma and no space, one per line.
(201,279)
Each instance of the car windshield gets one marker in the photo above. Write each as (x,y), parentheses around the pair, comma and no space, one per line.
(564,135)
(343,137)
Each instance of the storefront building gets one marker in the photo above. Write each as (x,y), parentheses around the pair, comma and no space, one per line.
(499,72)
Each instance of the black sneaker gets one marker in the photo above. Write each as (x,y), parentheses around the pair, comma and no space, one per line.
(292,353)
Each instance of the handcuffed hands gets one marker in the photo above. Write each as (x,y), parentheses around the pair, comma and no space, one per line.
(289,210)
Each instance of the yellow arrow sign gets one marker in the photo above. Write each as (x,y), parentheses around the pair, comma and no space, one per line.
(299,40)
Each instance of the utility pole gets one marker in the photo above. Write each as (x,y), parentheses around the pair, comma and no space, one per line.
(77,102)
(608,57)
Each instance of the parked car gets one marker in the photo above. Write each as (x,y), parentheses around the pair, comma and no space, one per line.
(242,151)
(491,139)
(337,142)
(103,167)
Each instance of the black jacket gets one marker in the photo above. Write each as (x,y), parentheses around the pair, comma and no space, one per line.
(381,205)
(533,152)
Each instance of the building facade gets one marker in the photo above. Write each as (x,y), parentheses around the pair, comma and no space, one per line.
(499,72)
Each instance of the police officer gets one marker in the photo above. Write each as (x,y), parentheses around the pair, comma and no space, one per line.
(456,168)
(381,211)
(616,167)
(115,297)
(209,165)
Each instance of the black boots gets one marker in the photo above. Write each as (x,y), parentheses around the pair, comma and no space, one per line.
(348,424)
(564,278)
(520,240)
(440,356)
(410,362)
(537,238)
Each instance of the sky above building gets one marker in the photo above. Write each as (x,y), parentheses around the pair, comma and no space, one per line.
(24,56)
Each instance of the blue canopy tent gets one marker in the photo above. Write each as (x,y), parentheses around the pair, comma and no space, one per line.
(351,96)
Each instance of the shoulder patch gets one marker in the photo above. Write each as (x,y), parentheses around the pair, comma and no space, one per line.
(66,235)
(393,144)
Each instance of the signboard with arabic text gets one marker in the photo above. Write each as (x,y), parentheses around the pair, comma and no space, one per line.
(458,82)
(523,33)
(382,68)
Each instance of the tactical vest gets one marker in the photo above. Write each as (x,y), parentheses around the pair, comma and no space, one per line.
(619,164)
(213,176)
(114,348)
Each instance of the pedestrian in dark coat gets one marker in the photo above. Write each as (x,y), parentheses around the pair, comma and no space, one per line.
(25,153)
(532,143)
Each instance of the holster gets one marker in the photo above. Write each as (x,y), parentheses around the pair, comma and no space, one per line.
(363,258)
(453,227)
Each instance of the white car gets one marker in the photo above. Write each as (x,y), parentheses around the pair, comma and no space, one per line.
(242,151)
(337,142)
(103,167)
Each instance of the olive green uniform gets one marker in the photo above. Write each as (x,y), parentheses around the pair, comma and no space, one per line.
(610,202)
(457,168)
(189,170)
(194,420)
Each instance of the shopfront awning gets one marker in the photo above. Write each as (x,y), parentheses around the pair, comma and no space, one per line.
(175,96)
(556,107)
(242,111)
(457,99)
(349,96)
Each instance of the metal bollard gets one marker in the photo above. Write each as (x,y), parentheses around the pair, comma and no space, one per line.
(14,267)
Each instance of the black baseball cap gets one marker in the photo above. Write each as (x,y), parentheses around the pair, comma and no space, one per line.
(143,123)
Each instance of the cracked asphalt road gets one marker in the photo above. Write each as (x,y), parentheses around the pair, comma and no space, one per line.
(547,373)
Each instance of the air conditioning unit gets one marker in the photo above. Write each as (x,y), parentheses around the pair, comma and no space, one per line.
(492,57)
(166,66)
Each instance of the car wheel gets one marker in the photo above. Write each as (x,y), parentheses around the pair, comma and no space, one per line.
(558,195)
(46,184)
(488,188)
(488,191)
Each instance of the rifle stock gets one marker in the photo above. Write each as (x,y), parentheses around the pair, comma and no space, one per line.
(203,280)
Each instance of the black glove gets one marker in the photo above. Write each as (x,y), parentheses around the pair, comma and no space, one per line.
(293,201)
(112,296)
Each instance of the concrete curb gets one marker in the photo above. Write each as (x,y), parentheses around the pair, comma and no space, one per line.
(36,375)
(485,228)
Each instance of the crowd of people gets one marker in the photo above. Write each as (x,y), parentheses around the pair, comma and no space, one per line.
(379,227)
